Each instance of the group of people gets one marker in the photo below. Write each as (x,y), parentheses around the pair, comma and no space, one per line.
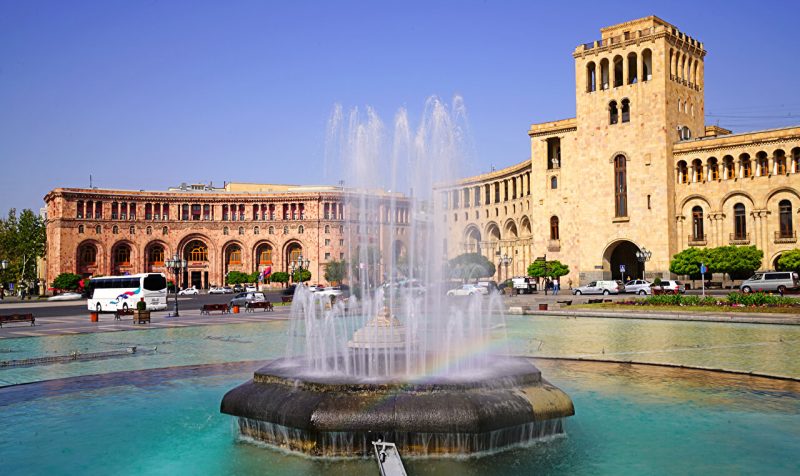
(552,285)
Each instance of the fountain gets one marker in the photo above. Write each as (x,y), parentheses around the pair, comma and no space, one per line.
(397,361)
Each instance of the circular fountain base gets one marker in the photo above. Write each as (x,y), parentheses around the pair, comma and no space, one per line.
(329,415)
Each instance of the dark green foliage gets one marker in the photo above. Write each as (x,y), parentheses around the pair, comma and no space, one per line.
(301,276)
(335,271)
(547,269)
(237,277)
(471,266)
(22,242)
(687,262)
(736,261)
(733,299)
(68,281)
(279,277)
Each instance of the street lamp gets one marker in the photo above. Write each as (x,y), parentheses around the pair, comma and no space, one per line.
(505,261)
(4,265)
(176,264)
(643,256)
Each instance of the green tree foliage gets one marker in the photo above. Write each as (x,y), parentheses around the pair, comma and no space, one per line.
(22,242)
(547,269)
(688,261)
(737,261)
(279,277)
(253,277)
(67,281)
(471,266)
(790,261)
(335,271)
(301,276)
(237,277)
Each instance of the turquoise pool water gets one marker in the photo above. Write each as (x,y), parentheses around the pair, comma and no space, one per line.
(629,420)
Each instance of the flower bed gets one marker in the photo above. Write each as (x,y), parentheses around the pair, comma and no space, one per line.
(732,300)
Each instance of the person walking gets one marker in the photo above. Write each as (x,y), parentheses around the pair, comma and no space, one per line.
(556,287)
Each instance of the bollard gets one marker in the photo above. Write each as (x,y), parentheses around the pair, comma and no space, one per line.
(94,317)
(236,309)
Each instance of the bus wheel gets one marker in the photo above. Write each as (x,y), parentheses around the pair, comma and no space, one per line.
(125,307)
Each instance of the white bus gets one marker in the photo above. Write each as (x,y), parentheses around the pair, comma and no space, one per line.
(111,293)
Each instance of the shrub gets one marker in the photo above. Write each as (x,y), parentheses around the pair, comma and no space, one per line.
(68,281)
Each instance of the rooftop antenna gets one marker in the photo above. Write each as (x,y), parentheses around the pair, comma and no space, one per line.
(90,180)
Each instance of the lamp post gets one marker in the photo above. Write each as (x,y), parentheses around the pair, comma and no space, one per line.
(176,264)
(505,261)
(4,265)
(643,256)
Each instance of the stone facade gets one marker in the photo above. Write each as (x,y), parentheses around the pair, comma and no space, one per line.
(241,227)
(635,169)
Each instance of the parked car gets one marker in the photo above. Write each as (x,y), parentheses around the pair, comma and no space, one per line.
(523,284)
(250,288)
(600,287)
(771,281)
(670,286)
(238,288)
(227,289)
(638,286)
(66,297)
(491,286)
(242,299)
(188,291)
(467,290)
(216,290)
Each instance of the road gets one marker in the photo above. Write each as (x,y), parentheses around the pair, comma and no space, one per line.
(79,308)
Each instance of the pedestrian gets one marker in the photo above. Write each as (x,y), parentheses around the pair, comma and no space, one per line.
(2,292)
(569,283)
(556,287)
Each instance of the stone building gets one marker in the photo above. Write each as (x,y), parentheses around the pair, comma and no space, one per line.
(635,169)
(239,227)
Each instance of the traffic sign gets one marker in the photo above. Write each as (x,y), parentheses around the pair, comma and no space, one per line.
(622,268)
(703,269)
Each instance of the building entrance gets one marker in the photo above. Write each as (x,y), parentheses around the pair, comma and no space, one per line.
(621,257)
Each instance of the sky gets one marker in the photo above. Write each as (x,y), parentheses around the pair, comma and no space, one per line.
(149,94)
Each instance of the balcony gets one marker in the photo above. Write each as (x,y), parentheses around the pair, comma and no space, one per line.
(785,237)
(698,240)
(739,239)
(554,245)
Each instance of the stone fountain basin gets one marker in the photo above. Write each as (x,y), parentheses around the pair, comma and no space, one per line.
(309,406)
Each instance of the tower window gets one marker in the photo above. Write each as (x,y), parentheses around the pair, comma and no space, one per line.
(613,112)
(620,186)
(626,110)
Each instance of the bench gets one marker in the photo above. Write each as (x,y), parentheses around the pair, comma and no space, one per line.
(17,318)
(209,308)
(565,303)
(140,317)
(122,312)
(265,305)
(594,301)
(285,299)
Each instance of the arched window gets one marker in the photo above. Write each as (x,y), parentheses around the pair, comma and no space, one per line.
(633,77)
(613,112)
(148,230)
(148,211)
(796,159)
(265,255)
(97,229)
(80,229)
(554,228)
(680,105)
(604,73)
(114,210)
(591,77)
(301,229)
(785,214)
(620,186)
(156,256)
(164,231)
(779,156)
(684,133)
(115,230)
(79,213)
(713,169)
(327,228)
(271,230)
(87,255)
(554,182)
(727,167)
(697,170)
(122,255)
(697,224)
(256,230)
(286,230)
(763,164)
(683,173)
(647,65)
(241,230)
(626,110)
(746,165)
(197,251)
(132,230)
(739,222)
(226,231)
(617,71)
(235,255)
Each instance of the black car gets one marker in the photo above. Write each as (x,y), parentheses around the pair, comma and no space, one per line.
(238,288)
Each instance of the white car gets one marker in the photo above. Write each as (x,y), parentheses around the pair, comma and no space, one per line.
(329,291)
(216,290)
(188,291)
(467,290)
(250,289)
(638,286)
(65,297)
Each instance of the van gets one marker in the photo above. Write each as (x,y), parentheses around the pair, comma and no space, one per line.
(770,281)
(601,287)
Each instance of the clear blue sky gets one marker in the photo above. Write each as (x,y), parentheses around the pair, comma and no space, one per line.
(150,94)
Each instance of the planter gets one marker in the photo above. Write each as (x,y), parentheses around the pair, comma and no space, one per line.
(543,307)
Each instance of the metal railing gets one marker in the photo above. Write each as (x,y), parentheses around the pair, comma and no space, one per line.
(786,236)
(739,238)
(698,240)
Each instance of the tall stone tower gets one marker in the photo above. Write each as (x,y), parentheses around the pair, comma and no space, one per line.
(639,90)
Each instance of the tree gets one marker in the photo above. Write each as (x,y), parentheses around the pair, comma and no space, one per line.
(790,261)
(471,266)
(237,277)
(688,261)
(737,261)
(22,242)
(335,271)
(68,281)
(547,269)
(301,275)
(279,277)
